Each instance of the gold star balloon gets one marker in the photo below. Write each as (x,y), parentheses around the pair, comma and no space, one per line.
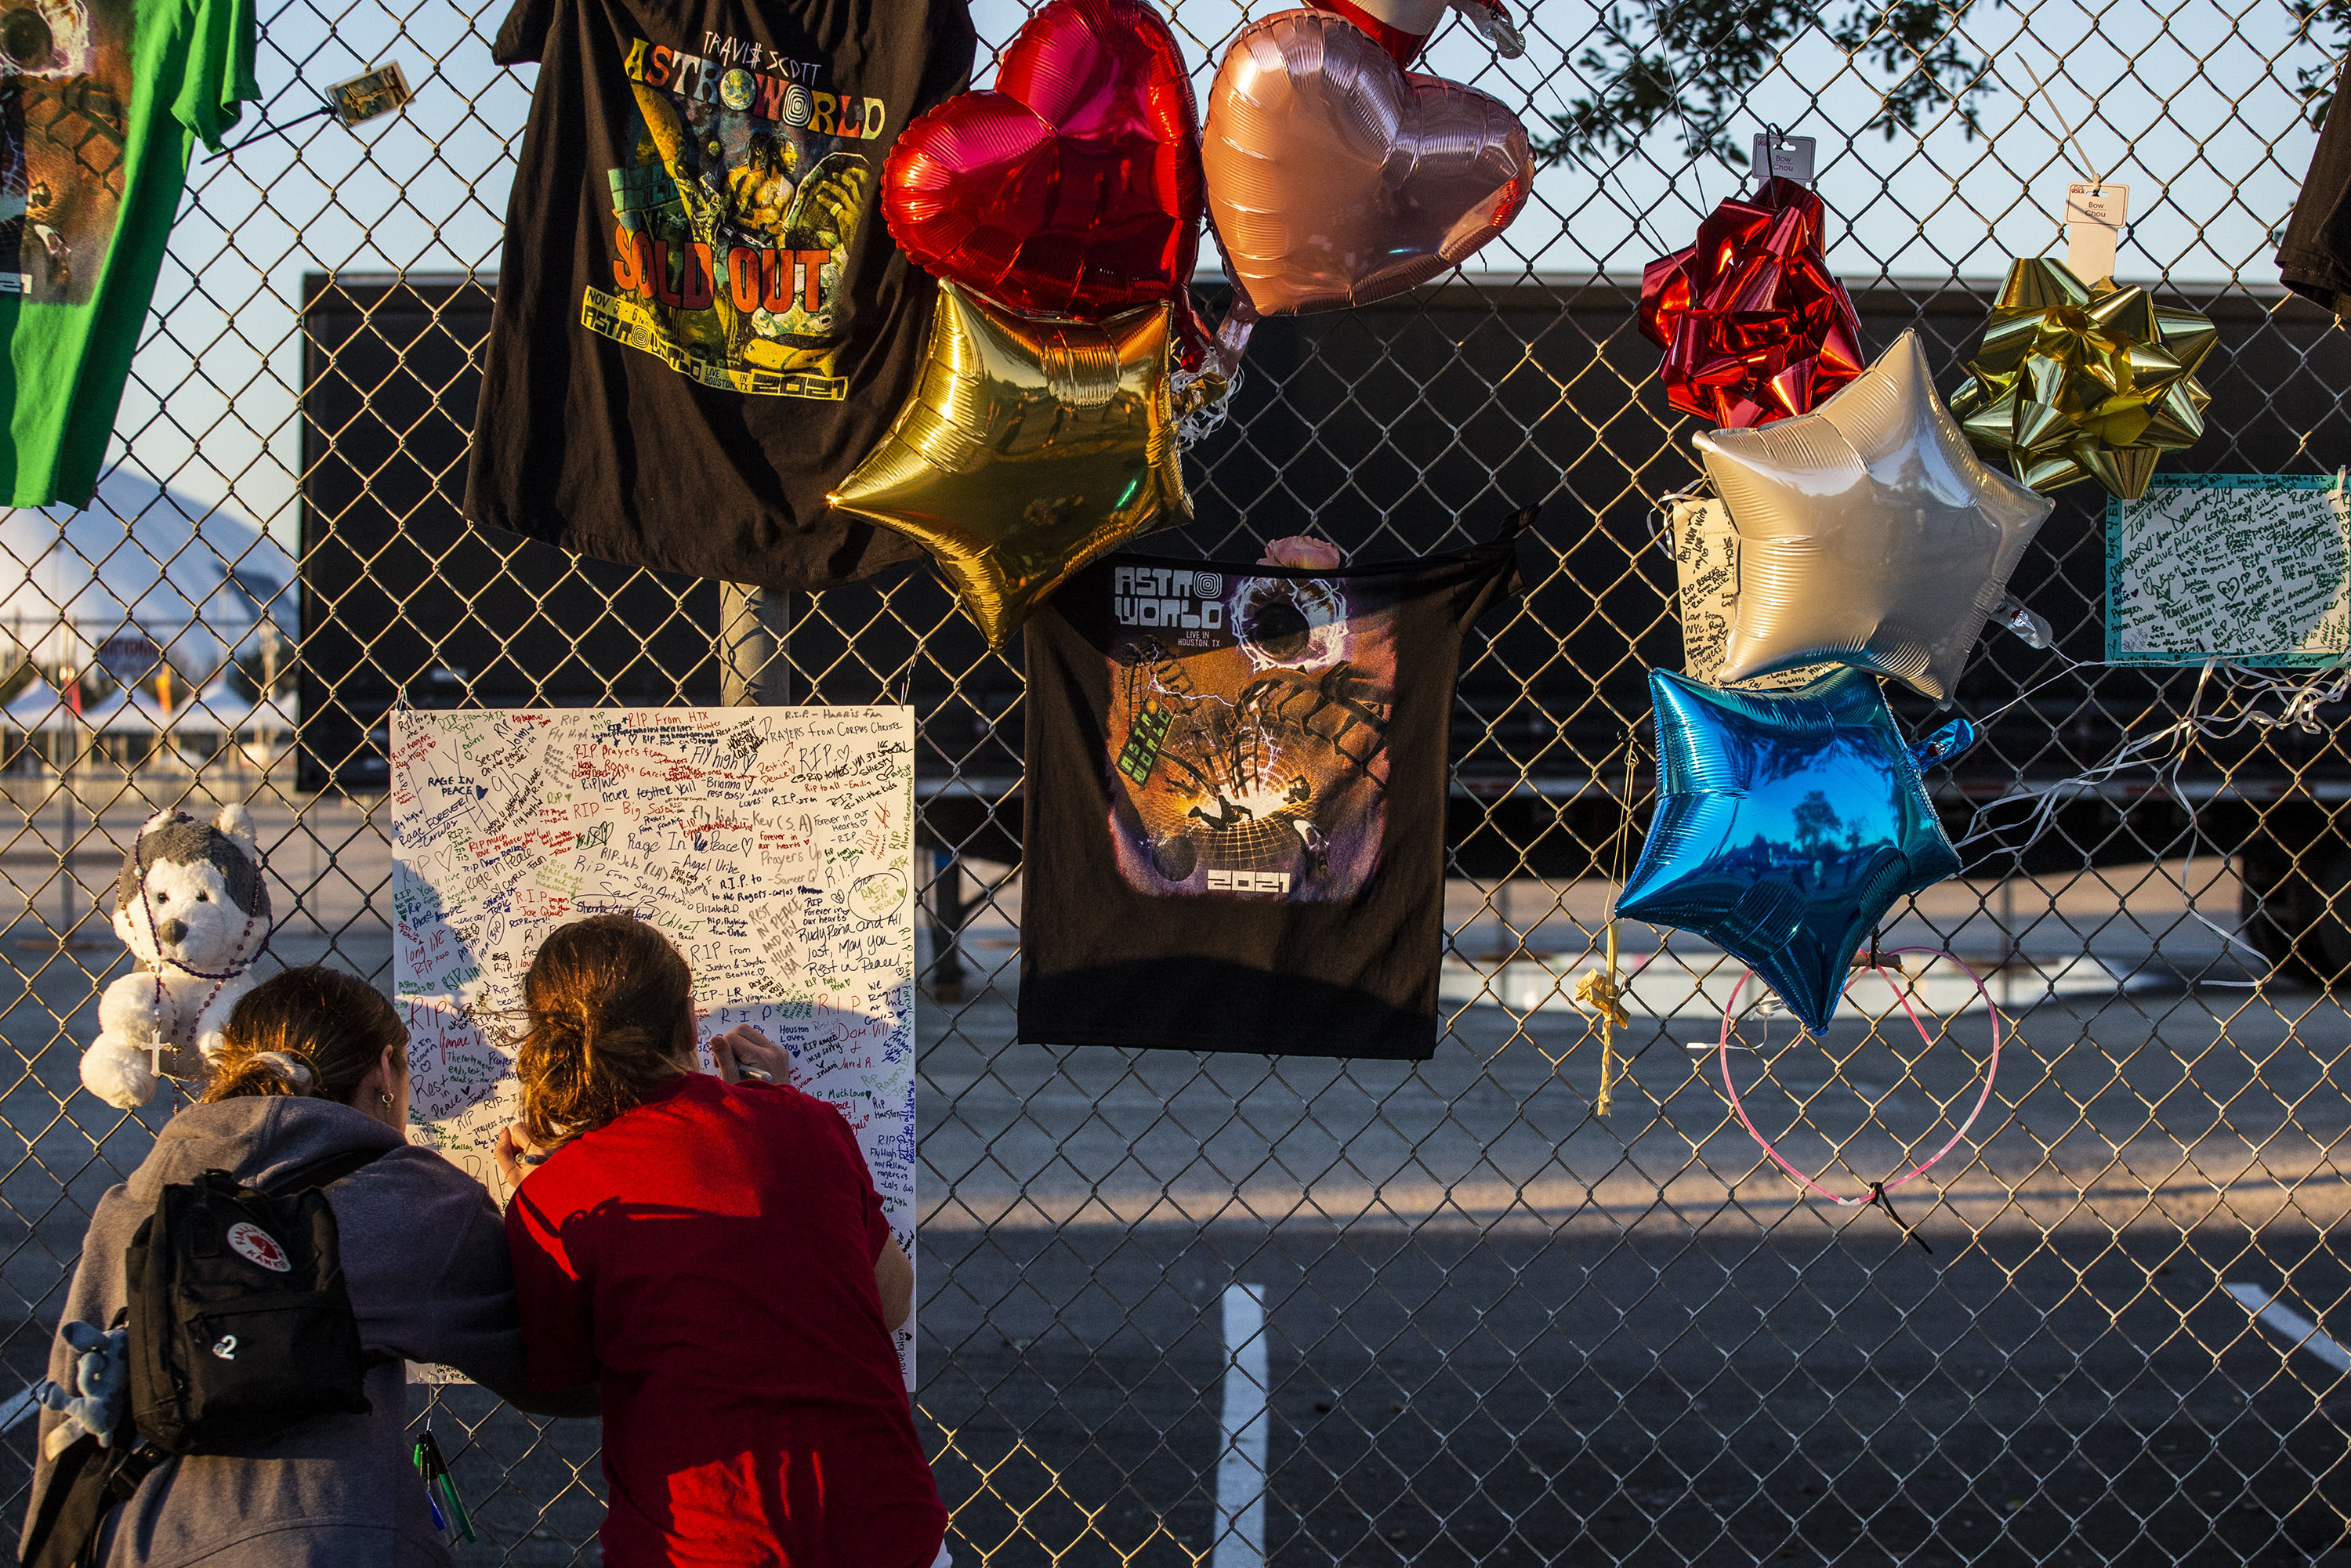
(2084,380)
(1030,448)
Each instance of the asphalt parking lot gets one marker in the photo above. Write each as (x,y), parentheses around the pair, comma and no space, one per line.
(1498,1334)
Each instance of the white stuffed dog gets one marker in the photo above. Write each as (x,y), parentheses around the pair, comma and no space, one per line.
(193,908)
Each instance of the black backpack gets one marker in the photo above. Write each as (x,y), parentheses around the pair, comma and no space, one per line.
(240,1327)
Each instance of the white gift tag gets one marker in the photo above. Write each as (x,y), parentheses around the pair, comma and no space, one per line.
(1790,158)
(2095,214)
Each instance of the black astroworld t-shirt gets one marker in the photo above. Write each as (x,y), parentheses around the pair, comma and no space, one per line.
(702,325)
(1236,802)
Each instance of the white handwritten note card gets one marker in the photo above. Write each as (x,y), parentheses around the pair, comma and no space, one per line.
(774,845)
(2251,568)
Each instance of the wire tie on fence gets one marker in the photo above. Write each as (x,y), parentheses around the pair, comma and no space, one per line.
(1878,1195)
(267,131)
(1661,517)
(2088,171)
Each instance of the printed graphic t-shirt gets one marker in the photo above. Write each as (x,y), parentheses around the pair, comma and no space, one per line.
(100,103)
(706,1259)
(702,325)
(1236,808)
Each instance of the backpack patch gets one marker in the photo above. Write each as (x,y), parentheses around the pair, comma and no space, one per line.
(254,1245)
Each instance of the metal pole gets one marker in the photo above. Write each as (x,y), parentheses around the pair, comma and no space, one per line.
(2007,920)
(754,647)
(2007,941)
(69,743)
(65,860)
(946,926)
(65,808)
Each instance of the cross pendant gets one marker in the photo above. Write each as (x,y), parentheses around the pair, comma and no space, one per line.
(156,1046)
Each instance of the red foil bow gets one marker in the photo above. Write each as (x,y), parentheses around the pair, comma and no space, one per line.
(1754,326)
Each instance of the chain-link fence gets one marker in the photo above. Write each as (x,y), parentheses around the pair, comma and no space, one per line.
(1181,1309)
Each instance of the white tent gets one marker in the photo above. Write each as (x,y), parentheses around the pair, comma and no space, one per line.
(124,713)
(217,709)
(202,582)
(38,708)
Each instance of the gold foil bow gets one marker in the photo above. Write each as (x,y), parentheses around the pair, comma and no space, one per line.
(2084,380)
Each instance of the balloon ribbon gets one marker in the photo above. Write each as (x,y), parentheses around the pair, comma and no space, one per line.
(1876,1197)
(1601,993)
(1604,992)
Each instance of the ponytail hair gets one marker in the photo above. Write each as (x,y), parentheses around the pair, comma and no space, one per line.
(310,1032)
(610,1020)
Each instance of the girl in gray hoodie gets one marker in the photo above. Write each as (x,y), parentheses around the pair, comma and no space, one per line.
(316,1064)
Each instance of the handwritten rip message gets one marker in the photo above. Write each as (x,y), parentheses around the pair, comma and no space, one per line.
(1706,563)
(2251,568)
(774,846)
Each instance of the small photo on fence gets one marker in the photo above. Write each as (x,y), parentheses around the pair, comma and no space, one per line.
(2254,569)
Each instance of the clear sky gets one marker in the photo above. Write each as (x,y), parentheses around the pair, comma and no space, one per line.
(2191,102)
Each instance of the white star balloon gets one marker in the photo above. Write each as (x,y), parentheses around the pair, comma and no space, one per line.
(1870,533)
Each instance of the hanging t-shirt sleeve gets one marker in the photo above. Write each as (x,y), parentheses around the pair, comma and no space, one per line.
(219,75)
(549,1298)
(522,40)
(1482,592)
(954,45)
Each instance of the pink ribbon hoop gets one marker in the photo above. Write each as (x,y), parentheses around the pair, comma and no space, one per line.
(1877,1191)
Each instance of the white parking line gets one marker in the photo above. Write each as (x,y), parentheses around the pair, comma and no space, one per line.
(1240,1463)
(2287,1323)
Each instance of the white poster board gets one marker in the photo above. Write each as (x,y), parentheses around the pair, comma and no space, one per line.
(775,846)
(2251,568)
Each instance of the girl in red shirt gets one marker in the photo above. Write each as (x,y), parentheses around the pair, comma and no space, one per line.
(705,1259)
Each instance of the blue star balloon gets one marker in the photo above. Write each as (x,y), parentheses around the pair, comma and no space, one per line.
(1787,824)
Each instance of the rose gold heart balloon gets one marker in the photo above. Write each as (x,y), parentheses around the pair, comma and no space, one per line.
(1336,178)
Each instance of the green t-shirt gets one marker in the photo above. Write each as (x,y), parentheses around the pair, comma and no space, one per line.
(100,103)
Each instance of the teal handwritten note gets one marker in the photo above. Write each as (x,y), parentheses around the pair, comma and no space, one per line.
(2251,568)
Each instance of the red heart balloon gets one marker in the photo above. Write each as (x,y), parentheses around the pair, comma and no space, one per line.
(1073,187)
